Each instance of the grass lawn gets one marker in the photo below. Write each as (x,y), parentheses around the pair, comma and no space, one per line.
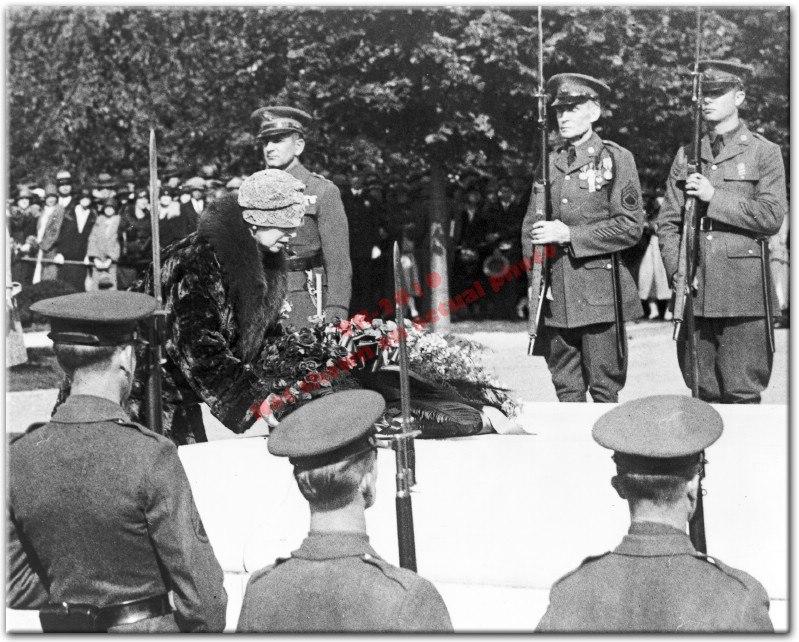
(40,371)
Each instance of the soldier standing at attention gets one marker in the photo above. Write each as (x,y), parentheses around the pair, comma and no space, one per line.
(742,201)
(596,213)
(322,242)
(335,581)
(101,515)
(655,581)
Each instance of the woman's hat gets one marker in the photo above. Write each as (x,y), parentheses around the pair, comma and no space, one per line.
(272,198)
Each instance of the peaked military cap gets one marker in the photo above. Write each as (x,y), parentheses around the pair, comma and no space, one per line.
(280,120)
(328,429)
(272,198)
(95,318)
(63,178)
(572,89)
(722,75)
(658,434)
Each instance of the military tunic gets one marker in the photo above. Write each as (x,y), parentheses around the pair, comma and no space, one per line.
(336,582)
(322,240)
(598,196)
(656,581)
(749,203)
(101,512)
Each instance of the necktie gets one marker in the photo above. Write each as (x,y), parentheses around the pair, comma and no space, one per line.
(716,145)
(571,155)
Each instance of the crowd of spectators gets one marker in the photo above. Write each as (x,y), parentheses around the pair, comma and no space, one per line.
(96,235)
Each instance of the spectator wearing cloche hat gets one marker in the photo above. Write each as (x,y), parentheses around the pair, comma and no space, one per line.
(224,287)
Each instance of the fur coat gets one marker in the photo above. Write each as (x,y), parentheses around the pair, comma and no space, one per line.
(222,298)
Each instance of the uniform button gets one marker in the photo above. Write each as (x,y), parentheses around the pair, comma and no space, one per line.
(714,167)
(751,251)
(247,367)
(564,201)
(709,237)
(568,178)
(608,266)
(367,557)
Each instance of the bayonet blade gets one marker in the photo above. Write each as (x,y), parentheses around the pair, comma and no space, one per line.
(399,305)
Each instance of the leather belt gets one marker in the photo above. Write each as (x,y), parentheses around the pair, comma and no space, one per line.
(299,264)
(77,618)
(707,224)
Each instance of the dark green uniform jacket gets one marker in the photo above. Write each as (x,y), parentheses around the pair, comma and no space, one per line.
(750,202)
(101,512)
(656,581)
(336,582)
(323,230)
(598,196)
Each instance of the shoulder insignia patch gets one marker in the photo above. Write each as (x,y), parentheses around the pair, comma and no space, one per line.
(630,197)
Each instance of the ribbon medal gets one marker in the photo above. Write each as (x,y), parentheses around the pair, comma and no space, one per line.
(741,170)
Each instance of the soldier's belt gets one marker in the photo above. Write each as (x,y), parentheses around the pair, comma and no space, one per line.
(300,264)
(85,618)
(709,225)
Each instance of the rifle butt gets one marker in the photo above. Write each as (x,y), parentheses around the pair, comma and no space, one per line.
(405,534)
(696,527)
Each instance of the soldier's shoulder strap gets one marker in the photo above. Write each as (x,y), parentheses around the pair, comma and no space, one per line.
(744,579)
(588,560)
(262,572)
(401,576)
(128,423)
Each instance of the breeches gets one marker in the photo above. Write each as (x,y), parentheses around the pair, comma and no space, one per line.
(733,358)
(585,359)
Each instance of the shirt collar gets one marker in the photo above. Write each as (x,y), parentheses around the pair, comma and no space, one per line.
(81,409)
(649,539)
(333,545)
(731,135)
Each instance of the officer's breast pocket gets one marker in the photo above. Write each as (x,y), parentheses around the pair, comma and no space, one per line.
(742,247)
(598,281)
(741,178)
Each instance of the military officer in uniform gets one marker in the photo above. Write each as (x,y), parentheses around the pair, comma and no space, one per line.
(321,247)
(335,581)
(655,580)
(102,523)
(742,201)
(596,213)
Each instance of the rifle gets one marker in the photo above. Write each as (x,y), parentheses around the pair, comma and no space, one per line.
(765,273)
(686,269)
(154,420)
(402,439)
(539,271)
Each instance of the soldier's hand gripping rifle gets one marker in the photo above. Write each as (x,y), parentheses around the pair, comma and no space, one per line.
(401,438)
(154,401)
(684,325)
(538,276)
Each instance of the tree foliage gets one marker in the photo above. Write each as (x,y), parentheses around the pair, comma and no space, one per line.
(391,90)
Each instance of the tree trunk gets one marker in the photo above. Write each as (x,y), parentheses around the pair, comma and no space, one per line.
(438,278)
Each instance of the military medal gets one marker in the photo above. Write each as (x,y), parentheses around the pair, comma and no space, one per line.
(592,180)
(607,164)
